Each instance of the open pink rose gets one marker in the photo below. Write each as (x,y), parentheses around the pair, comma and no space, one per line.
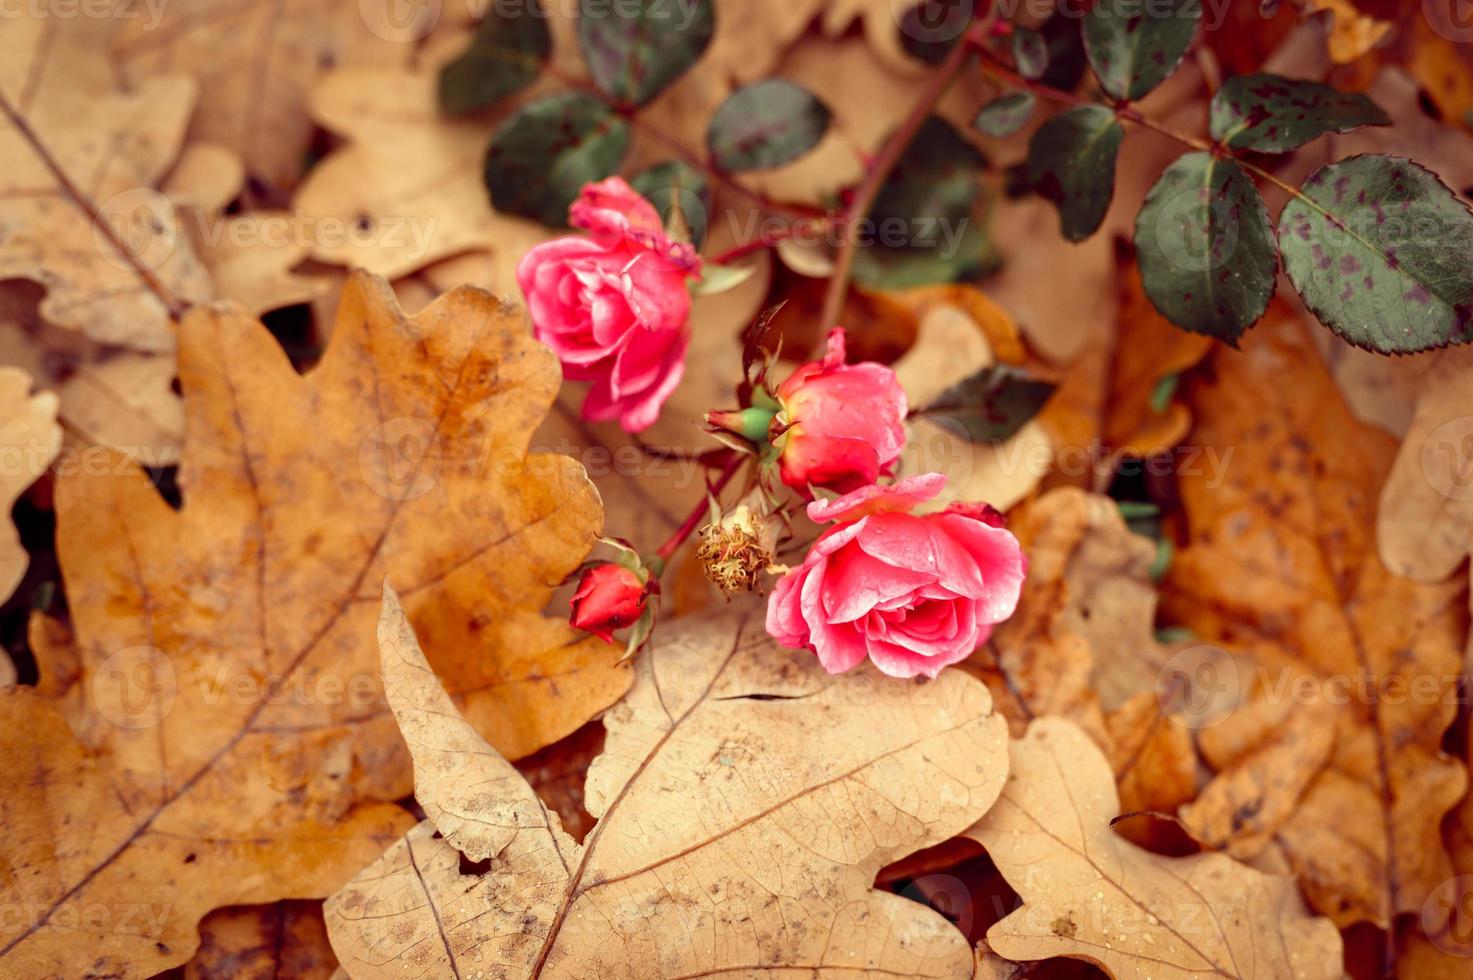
(913,593)
(613,306)
(845,422)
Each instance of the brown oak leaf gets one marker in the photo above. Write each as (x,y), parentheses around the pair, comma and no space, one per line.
(29,441)
(745,802)
(263,942)
(222,691)
(1352,678)
(1092,895)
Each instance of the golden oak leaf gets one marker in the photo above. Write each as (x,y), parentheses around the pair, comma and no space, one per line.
(263,942)
(1352,33)
(222,688)
(745,802)
(1092,895)
(1335,754)
(29,441)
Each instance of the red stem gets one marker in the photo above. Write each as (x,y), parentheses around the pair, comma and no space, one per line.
(700,510)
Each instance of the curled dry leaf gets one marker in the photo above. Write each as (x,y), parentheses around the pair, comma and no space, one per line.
(225,713)
(1353,673)
(29,441)
(1091,895)
(1425,521)
(745,801)
(1351,33)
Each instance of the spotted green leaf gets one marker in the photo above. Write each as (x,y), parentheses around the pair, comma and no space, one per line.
(1206,247)
(542,156)
(511,45)
(1030,53)
(1272,114)
(634,48)
(1006,115)
(766,124)
(1071,161)
(1379,249)
(1133,45)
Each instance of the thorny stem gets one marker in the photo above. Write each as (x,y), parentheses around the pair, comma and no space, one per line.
(864,196)
(700,510)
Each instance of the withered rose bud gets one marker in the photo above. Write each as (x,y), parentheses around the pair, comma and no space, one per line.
(737,549)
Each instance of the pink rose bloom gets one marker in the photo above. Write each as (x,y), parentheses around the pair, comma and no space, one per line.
(613,306)
(913,593)
(845,422)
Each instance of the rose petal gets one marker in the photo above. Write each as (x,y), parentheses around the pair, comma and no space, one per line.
(901,495)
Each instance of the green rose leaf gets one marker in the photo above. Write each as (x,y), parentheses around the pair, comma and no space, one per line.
(766,124)
(635,48)
(924,225)
(542,156)
(1007,115)
(1030,53)
(1273,114)
(1066,60)
(1133,45)
(1378,248)
(510,48)
(991,405)
(1206,247)
(675,186)
(1071,161)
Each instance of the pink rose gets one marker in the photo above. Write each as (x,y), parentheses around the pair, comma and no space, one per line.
(613,306)
(609,597)
(845,423)
(913,593)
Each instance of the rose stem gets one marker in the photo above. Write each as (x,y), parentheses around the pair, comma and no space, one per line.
(700,510)
(864,196)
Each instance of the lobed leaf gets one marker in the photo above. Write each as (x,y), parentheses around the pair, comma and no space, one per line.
(542,156)
(635,48)
(1133,46)
(1273,114)
(765,125)
(1378,248)
(1071,161)
(1206,247)
(511,46)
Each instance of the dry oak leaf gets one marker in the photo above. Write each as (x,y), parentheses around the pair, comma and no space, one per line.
(255,62)
(1092,895)
(1348,663)
(407,186)
(1351,33)
(81,213)
(224,695)
(29,441)
(745,802)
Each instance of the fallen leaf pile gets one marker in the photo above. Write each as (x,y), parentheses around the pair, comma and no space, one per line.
(293,498)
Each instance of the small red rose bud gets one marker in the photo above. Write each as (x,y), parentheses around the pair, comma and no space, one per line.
(609,597)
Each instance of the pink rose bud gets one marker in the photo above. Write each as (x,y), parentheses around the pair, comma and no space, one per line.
(613,305)
(844,423)
(913,593)
(609,597)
